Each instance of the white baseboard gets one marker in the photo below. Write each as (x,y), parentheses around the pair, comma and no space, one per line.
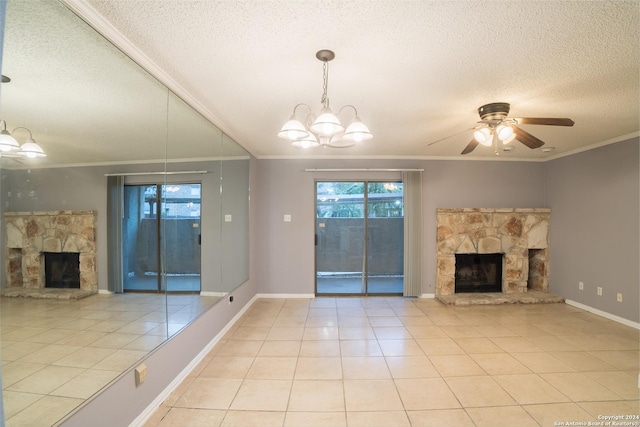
(604,314)
(289,296)
(149,410)
(213,294)
(292,296)
(105,292)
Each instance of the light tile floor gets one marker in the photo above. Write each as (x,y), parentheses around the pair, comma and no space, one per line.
(58,353)
(394,362)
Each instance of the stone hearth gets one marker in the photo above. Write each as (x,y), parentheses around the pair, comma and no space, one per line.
(521,235)
(30,234)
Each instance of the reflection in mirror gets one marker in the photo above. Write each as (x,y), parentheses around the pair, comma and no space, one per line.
(105,124)
(193,162)
(235,230)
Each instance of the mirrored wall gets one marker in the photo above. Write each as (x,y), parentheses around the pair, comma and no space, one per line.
(140,209)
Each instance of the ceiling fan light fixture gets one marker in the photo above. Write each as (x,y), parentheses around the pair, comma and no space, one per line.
(483,136)
(504,133)
(511,138)
(498,128)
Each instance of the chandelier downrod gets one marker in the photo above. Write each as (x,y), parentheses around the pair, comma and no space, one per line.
(325,56)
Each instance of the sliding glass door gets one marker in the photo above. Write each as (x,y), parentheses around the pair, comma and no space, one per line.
(161,219)
(359,238)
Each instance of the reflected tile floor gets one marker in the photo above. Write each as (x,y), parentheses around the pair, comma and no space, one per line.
(57,353)
(393,362)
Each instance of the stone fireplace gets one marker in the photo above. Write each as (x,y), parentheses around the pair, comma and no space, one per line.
(65,235)
(519,237)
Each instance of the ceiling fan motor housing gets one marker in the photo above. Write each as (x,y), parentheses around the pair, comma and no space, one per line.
(494,111)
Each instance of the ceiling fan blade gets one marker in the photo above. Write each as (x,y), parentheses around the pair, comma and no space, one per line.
(470,147)
(549,121)
(450,136)
(527,139)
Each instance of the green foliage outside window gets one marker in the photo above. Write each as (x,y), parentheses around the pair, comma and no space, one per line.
(346,199)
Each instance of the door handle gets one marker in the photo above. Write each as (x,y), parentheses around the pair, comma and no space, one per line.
(315,239)
(200,239)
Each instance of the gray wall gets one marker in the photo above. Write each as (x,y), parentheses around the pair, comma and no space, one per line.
(594,197)
(286,250)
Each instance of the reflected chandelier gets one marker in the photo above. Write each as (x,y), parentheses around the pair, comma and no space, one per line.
(10,147)
(326,129)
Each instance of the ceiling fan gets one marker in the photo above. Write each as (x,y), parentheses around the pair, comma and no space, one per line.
(496,127)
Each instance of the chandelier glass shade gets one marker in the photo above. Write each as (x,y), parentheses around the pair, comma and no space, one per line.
(7,142)
(309,141)
(293,129)
(327,124)
(326,129)
(9,146)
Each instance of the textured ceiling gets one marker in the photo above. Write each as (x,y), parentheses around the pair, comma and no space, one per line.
(416,70)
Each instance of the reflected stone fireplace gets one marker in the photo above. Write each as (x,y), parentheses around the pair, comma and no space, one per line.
(503,251)
(50,252)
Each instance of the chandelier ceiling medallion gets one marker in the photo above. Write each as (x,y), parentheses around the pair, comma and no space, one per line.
(324,130)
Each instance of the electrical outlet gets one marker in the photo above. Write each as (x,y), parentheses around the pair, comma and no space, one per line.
(619,298)
(141,373)
(599,291)
(287,218)
(581,286)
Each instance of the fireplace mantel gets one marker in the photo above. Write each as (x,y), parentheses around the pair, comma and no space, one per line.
(521,234)
(30,234)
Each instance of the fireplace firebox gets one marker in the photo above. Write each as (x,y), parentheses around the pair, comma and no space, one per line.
(62,269)
(478,273)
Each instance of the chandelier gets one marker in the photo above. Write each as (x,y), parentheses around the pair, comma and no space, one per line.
(325,129)
(9,146)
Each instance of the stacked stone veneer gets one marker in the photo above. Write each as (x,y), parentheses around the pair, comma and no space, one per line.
(30,234)
(522,235)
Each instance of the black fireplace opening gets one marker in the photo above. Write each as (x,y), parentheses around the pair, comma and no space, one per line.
(478,273)
(62,270)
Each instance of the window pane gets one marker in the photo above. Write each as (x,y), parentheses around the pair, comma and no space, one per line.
(385,200)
